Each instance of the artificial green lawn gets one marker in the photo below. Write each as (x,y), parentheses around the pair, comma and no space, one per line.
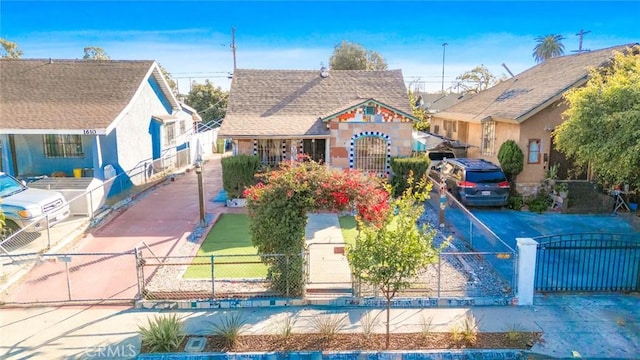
(229,236)
(349,229)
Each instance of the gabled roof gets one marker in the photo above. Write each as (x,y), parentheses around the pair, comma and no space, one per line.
(290,102)
(40,95)
(518,98)
(361,102)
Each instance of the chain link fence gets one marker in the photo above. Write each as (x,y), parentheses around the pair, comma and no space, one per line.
(220,276)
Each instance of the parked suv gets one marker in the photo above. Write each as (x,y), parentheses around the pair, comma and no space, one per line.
(25,207)
(474,182)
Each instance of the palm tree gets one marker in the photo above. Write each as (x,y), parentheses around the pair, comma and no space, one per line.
(548,46)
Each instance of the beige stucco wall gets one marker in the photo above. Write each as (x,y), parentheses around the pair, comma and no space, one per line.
(539,126)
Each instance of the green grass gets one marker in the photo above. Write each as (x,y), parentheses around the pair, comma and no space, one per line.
(229,236)
(349,229)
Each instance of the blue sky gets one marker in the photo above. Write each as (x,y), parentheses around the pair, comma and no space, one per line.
(192,38)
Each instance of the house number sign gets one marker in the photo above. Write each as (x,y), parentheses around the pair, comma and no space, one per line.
(90,131)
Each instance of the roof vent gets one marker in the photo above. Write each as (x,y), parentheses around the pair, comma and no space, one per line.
(324,72)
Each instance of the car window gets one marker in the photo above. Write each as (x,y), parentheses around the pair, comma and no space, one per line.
(478,177)
(9,185)
(440,155)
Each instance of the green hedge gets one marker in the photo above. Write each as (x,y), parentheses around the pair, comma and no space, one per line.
(401,168)
(238,172)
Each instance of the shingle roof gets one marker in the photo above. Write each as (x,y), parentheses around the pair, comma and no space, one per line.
(66,94)
(522,96)
(289,102)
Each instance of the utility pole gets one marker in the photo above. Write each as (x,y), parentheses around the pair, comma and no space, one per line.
(443,49)
(233,47)
(581,34)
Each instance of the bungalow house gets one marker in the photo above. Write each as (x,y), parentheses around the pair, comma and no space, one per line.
(348,119)
(88,119)
(525,108)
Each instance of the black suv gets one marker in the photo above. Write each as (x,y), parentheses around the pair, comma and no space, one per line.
(473,182)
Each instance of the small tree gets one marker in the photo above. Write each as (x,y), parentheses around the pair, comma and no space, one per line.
(420,112)
(477,79)
(389,256)
(511,160)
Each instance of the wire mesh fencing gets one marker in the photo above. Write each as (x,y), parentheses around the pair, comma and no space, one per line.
(220,276)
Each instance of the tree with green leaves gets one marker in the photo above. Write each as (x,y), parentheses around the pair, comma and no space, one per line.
(390,255)
(419,111)
(477,79)
(10,50)
(602,123)
(95,53)
(511,160)
(352,56)
(210,101)
(547,47)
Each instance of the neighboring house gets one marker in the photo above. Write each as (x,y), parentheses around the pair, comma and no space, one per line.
(525,108)
(349,119)
(88,118)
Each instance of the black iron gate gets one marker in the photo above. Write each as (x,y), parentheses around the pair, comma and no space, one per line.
(590,262)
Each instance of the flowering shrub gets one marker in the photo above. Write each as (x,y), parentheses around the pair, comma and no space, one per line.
(278,205)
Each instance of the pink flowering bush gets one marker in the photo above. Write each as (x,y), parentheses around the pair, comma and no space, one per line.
(278,205)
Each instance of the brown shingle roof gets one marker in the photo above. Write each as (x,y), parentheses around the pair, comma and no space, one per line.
(522,96)
(66,94)
(289,102)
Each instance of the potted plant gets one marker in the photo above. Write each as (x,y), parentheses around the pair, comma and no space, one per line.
(552,175)
(562,189)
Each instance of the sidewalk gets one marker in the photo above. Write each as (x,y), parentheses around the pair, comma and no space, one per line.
(594,326)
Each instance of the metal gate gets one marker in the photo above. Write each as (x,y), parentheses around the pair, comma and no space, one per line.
(590,262)
(328,269)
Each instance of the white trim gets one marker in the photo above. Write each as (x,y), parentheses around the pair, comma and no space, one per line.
(175,105)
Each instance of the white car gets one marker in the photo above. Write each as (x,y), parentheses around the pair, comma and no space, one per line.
(25,208)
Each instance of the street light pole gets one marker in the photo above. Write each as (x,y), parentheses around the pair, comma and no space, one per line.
(200,192)
(444,46)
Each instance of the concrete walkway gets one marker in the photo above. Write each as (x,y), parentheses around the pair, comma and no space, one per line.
(594,326)
(328,267)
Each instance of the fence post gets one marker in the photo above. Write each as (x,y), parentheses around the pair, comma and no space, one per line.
(213,281)
(286,259)
(527,251)
(49,235)
(137,258)
(66,269)
(439,272)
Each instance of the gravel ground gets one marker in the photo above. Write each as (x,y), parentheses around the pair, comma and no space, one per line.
(456,275)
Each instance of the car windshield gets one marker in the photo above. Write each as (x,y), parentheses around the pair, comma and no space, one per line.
(484,177)
(9,186)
